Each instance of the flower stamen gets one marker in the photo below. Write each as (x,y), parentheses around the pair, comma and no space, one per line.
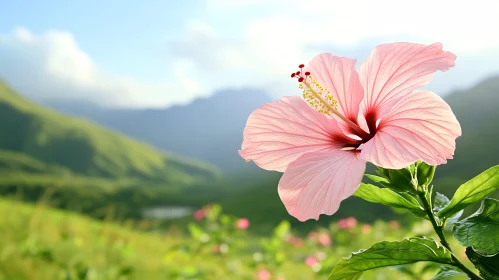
(317,96)
(320,98)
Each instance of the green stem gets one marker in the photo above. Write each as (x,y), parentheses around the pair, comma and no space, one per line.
(440,232)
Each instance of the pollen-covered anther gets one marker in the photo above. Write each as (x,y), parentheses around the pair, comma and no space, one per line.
(314,94)
(312,90)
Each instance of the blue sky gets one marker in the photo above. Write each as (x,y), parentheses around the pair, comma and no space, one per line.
(126,37)
(157,53)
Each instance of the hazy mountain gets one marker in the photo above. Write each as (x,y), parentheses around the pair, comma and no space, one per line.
(477,111)
(208,128)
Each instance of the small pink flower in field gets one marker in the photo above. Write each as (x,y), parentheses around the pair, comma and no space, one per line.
(310,261)
(394,224)
(280,278)
(347,223)
(365,228)
(312,236)
(320,256)
(295,241)
(242,223)
(264,274)
(324,239)
(347,118)
(199,214)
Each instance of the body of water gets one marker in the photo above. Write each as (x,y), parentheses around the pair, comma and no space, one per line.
(168,212)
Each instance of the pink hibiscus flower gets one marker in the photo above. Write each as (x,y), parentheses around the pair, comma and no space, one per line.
(324,239)
(322,141)
(394,224)
(264,274)
(310,261)
(295,241)
(365,228)
(347,223)
(312,236)
(242,223)
(199,214)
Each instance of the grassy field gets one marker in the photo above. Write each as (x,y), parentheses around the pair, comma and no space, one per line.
(37,242)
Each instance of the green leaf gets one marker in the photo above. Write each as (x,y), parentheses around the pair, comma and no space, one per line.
(386,253)
(195,231)
(480,230)
(214,211)
(225,220)
(488,266)
(440,202)
(282,229)
(380,180)
(454,219)
(402,179)
(388,197)
(472,191)
(406,270)
(425,173)
(448,272)
(383,172)
(429,267)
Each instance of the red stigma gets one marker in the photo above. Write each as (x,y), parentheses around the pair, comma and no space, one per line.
(299,74)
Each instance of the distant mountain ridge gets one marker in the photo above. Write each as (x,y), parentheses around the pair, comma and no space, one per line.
(209,129)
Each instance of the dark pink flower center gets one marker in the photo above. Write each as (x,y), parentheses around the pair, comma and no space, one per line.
(321,100)
(364,137)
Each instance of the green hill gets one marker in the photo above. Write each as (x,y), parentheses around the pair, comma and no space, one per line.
(39,138)
(10,160)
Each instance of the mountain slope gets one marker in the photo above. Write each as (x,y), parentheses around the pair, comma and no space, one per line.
(209,128)
(86,148)
(14,161)
(477,149)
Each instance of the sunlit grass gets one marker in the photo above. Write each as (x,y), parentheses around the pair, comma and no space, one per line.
(41,243)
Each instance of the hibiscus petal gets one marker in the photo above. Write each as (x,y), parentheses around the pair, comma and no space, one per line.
(316,183)
(394,70)
(339,76)
(281,131)
(420,127)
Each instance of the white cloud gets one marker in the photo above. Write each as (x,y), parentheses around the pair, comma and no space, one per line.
(461,24)
(52,65)
(267,47)
(181,73)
